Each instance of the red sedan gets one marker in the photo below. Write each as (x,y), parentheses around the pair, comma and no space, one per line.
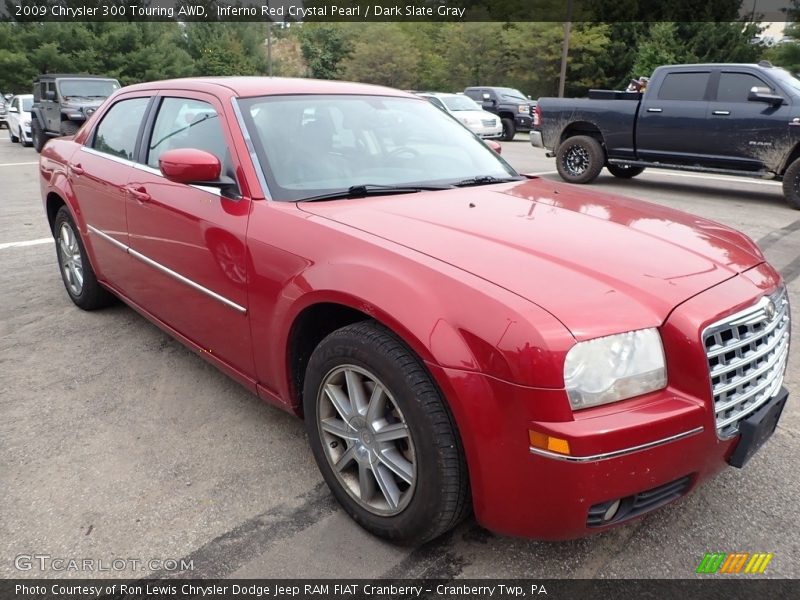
(455,335)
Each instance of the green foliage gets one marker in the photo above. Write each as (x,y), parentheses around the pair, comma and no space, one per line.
(324,47)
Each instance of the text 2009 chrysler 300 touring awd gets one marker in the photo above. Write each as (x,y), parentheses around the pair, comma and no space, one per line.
(454,334)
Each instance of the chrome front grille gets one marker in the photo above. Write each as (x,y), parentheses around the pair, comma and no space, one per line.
(489,122)
(747,354)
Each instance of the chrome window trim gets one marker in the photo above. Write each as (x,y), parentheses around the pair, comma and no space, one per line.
(262,180)
(166,270)
(617,453)
(111,157)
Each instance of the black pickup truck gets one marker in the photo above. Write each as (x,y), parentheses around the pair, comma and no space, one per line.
(735,119)
(513,108)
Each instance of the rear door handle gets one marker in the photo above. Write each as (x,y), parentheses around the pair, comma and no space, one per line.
(138,192)
(77,169)
(722,113)
(653,110)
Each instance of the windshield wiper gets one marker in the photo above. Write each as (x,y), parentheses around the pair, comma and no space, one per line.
(370,189)
(485,180)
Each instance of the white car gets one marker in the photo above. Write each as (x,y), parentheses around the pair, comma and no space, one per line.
(19,119)
(482,123)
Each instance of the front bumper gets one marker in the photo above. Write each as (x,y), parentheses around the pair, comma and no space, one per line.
(523,122)
(487,133)
(645,451)
(26,134)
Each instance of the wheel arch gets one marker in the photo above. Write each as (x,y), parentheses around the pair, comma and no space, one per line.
(793,155)
(581,128)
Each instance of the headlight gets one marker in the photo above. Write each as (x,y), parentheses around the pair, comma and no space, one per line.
(523,109)
(613,368)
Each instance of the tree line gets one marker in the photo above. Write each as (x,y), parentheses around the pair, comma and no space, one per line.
(418,55)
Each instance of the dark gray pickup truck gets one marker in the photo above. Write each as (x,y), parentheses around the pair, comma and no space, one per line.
(736,119)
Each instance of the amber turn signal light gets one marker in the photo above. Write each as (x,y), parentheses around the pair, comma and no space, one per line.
(548,442)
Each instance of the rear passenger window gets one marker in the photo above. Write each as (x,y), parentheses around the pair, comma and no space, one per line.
(734,87)
(186,123)
(684,86)
(116,134)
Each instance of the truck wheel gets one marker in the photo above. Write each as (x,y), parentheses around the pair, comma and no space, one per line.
(383,437)
(69,128)
(509,129)
(624,171)
(38,136)
(580,159)
(791,184)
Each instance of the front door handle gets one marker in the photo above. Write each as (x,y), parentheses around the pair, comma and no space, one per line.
(77,169)
(722,113)
(653,110)
(138,192)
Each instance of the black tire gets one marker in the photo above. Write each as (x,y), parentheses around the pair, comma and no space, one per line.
(440,498)
(624,171)
(791,184)
(69,128)
(38,136)
(91,294)
(14,139)
(509,129)
(580,159)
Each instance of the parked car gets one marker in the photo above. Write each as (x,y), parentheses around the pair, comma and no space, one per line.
(735,119)
(482,123)
(19,119)
(512,106)
(453,333)
(62,103)
(3,111)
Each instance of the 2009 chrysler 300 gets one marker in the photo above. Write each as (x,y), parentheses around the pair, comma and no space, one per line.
(455,335)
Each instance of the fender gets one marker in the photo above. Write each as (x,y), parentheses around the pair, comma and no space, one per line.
(36,113)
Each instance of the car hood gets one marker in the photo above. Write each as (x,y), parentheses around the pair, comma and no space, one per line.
(601,264)
(475,114)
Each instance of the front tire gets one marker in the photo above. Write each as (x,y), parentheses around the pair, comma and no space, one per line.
(791,184)
(76,271)
(624,171)
(580,159)
(509,129)
(14,139)
(383,438)
(69,128)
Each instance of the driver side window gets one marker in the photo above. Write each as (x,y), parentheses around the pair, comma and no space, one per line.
(186,123)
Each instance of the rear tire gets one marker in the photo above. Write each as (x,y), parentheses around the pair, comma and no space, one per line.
(73,262)
(624,171)
(38,136)
(580,159)
(791,184)
(383,437)
(509,129)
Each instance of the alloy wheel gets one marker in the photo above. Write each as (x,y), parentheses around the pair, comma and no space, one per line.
(69,255)
(576,160)
(366,440)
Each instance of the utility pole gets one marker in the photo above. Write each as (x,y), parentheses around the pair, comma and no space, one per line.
(565,50)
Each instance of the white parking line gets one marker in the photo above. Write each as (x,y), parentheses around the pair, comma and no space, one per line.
(36,162)
(26,243)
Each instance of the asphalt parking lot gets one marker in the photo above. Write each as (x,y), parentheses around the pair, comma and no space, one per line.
(116,442)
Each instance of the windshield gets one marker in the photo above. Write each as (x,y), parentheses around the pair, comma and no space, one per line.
(313,145)
(27,103)
(512,94)
(457,103)
(87,88)
(787,79)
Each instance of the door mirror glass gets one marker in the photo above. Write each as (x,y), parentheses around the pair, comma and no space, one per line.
(190,165)
(13,109)
(486,97)
(764,94)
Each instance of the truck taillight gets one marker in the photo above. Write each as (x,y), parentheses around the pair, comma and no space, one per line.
(537,116)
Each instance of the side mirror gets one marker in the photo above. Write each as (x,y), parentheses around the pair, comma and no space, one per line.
(49,95)
(764,94)
(494,146)
(13,109)
(193,166)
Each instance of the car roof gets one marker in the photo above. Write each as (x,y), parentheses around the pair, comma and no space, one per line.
(72,76)
(244,87)
(440,94)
